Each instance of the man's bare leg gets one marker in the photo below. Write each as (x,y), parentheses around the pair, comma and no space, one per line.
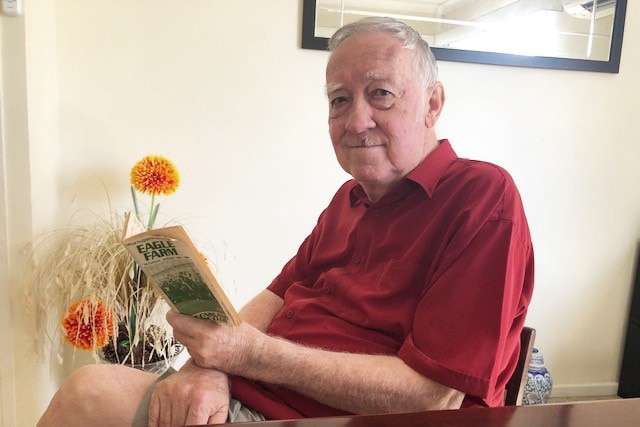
(98,395)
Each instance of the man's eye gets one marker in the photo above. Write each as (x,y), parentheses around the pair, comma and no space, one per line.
(382,98)
(337,101)
(381,93)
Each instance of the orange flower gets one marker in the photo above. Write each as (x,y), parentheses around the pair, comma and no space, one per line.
(155,175)
(87,324)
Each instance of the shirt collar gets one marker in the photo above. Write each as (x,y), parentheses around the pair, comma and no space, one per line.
(427,175)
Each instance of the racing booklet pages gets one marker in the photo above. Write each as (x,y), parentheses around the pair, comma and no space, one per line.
(177,269)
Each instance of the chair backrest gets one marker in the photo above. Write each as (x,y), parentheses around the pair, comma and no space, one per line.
(514,390)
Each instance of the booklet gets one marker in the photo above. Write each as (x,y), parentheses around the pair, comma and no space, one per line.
(170,260)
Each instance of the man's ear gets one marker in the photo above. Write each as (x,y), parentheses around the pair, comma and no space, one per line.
(435,102)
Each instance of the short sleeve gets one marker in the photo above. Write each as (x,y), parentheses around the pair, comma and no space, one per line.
(466,326)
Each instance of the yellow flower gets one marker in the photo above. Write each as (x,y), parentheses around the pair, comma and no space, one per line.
(87,324)
(155,175)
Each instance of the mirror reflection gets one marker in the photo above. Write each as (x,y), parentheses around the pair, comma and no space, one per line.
(575,29)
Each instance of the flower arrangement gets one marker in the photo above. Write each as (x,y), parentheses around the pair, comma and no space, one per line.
(82,280)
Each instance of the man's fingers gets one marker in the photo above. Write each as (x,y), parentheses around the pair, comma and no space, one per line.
(181,329)
(219,417)
(166,415)
(185,328)
(192,332)
(192,396)
(177,320)
(161,411)
(197,415)
(154,412)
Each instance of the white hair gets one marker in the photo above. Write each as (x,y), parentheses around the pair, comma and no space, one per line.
(426,65)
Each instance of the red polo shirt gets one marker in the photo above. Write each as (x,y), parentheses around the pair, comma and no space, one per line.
(439,272)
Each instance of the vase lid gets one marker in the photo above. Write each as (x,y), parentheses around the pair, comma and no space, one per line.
(536,358)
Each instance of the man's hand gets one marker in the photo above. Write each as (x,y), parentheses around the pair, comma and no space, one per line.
(211,345)
(191,396)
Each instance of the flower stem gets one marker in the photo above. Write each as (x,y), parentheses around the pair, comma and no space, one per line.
(135,204)
(153,211)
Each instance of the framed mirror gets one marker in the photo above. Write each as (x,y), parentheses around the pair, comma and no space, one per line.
(561,34)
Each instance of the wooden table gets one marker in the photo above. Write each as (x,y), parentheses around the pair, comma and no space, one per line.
(609,413)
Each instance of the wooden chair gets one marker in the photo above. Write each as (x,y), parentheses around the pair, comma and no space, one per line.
(514,390)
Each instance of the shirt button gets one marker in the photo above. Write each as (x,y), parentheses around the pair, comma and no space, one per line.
(327,291)
(357,260)
(376,212)
(289,314)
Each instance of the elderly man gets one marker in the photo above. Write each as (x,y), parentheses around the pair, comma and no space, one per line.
(409,294)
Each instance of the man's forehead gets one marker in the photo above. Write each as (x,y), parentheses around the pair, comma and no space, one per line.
(366,78)
(371,63)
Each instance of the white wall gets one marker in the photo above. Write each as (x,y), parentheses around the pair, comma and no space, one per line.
(222,88)
(14,142)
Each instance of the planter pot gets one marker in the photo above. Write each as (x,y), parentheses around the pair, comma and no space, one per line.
(157,367)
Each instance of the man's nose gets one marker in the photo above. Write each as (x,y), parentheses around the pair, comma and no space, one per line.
(360,117)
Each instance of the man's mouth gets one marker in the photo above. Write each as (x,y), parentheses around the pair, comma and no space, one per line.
(364,143)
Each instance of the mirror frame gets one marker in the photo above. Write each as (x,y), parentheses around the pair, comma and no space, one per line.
(310,41)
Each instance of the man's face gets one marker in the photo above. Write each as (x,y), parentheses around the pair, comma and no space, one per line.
(379,118)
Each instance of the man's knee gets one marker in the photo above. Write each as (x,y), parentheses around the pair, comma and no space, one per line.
(87,382)
(77,396)
(94,392)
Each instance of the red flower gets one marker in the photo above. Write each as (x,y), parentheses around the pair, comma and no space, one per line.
(87,324)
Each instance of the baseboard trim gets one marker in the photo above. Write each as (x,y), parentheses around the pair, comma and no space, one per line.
(598,389)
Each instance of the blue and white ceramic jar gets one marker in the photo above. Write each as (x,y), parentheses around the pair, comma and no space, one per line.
(539,382)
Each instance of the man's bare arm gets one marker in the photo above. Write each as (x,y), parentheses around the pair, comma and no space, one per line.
(260,311)
(357,383)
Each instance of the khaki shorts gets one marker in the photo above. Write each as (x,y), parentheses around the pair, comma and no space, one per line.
(238,413)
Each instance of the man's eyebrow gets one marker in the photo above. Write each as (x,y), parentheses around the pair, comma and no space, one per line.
(332,87)
(370,76)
